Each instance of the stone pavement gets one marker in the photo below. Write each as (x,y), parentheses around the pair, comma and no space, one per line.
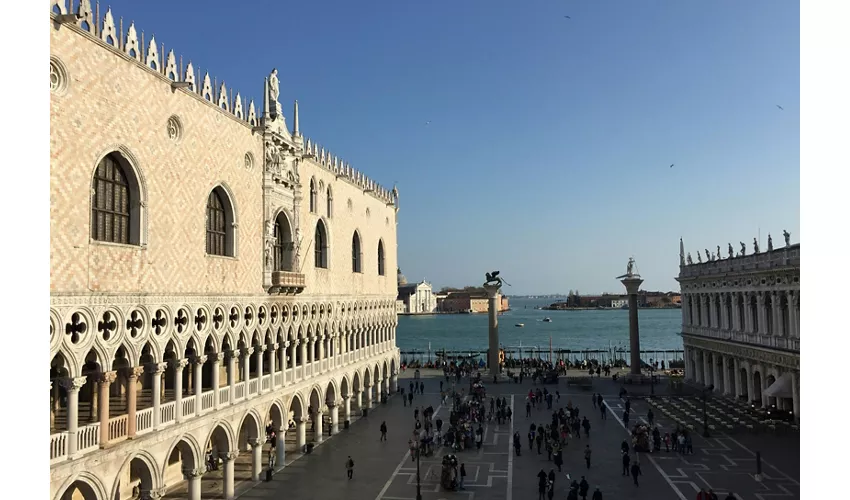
(385,471)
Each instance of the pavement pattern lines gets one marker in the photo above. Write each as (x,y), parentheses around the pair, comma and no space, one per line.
(489,469)
(719,462)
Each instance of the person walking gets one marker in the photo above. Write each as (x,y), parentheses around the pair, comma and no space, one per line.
(542,482)
(597,495)
(602,412)
(650,417)
(593,398)
(582,488)
(349,467)
(587,455)
(517,444)
(626,461)
(383,431)
(462,475)
(636,472)
(586,424)
(731,496)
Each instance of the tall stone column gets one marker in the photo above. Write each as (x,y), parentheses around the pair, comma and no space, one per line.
(493,316)
(725,319)
(215,358)
(256,458)
(765,401)
(193,477)
(712,316)
(103,384)
(233,355)
(739,389)
(632,283)
(198,382)
(736,317)
(776,311)
(229,459)
(793,314)
(699,366)
(280,446)
(368,401)
(334,409)
(132,378)
(157,369)
(795,395)
(302,346)
(751,394)
(178,389)
(346,404)
(301,433)
(706,368)
(246,369)
(72,387)
(261,349)
(283,365)
(272,368)
(762,324)
(726,364)
(393,383)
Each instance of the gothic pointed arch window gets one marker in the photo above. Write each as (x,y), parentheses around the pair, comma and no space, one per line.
(330,202)
(356,264)
(283,246)
(381,262)
(314,195)
(116,208)
(321,245)
(220,224)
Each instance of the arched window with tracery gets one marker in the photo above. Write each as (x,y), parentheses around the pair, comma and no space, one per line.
(220,227)
(314,195)
(380,258)
(321,246)
(283,245)
(115,208)
(356,265)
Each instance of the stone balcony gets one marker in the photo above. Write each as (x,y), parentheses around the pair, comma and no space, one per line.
(760,340)
(776,259)
(287,283)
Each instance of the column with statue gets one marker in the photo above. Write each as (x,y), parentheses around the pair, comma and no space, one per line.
(493,285)
(632,281)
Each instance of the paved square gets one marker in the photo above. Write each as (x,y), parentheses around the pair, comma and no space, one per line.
(385,471)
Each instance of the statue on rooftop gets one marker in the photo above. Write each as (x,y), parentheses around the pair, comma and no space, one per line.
(708,256)
(731,251)
(718,253)
(690,260)
(743,249)
(699,258)
(769,243)
(755,245)
(787,236)
(494,279)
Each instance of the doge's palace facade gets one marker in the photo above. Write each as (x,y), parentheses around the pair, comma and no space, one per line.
(213,272)
(741,322)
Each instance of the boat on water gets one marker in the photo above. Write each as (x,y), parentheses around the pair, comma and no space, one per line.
(519,325)
(547,320)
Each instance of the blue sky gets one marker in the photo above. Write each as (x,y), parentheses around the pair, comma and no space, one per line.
(548,150)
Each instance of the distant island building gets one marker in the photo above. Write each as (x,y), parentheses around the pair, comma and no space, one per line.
(415,298)
(617,301)
(741,323)
(468,300)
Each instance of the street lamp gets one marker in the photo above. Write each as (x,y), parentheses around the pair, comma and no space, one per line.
(416,449)
(704,412)
(651,379)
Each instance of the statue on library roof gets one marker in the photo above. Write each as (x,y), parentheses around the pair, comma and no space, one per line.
(719,256)
(708,256)
(699,258)
(769,243)
(755,245)
(690,260)
(731,251)
(743,249)
(787,236)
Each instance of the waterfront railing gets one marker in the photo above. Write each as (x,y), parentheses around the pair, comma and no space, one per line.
(572,356)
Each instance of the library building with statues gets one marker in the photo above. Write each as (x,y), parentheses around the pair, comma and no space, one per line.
(216,278)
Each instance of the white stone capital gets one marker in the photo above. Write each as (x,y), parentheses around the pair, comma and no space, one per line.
(73,384)
(492,290)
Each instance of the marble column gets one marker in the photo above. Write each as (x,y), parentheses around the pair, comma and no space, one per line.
(795,395)
(346,404)
(318,420)
(193,476)
(334,418)
(103,384)
(157,369)
(256,458)
(776,311)
(72,387)
(178,388)
(358,398)
(215,358)
(697,362)
(727,389)
(765,401)
(632,284)
(301,433)
(712,317)
(232,356)
(132,378)
(272,368)
(762,316)
(393,383)
(793,315)
(229,459)
(736,317)
(302,346)
(280,446)
(715,373)
(739,389)
(198,381)
(261,349)
(282,363)
(246,369)
(493,322)
(751,394)
(706,368)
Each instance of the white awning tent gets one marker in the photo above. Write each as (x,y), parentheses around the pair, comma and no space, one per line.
(781,388)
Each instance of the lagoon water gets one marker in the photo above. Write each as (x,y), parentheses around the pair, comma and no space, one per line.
(575,330)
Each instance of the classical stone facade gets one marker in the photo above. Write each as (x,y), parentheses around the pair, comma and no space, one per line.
(213,272)
(741,323)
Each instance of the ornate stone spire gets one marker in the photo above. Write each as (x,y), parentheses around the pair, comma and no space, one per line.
(296,132)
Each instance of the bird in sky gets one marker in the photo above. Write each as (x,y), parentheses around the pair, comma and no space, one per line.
(428,123)
(568,17)
(671,165)
(780,107)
